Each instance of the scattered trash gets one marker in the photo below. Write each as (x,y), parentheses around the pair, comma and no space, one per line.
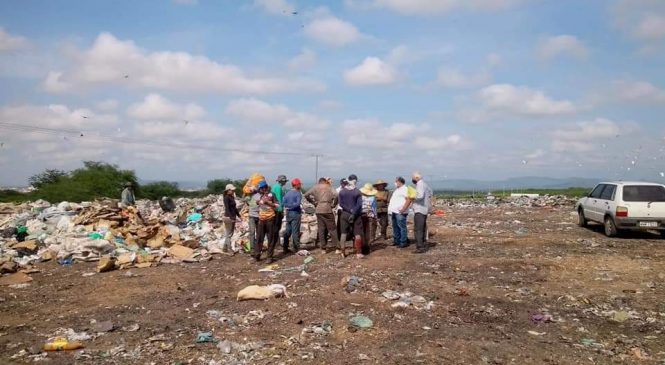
(62,344)
(391,295)
(361,322)
(255,292)
(132,328)
(303,253)
(205,337)
(541,318)
(620,317)
(308,260)
(534,333)
(351,283)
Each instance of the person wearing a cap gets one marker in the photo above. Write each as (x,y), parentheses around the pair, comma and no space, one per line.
(338,212)
(382,199)
(230,214)
(267,207)
(398,208)
(368,215)
(278,191)
(252,201)
(351,201)
(422,205)
(292,205)
(324,198)
(127,198)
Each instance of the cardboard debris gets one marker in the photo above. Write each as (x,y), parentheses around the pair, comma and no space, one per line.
(180,252)
(14,279)
(29,246)
(125,259)
(106,263)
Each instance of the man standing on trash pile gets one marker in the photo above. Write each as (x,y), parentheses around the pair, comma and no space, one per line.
(127,198)
(398,209)
(351,201)
(252,201)
(422,206)
(267,208)
(292,205)
(324,199)
(382,199)
(231,213)
(278,191)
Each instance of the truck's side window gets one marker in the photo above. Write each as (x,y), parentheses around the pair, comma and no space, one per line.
(608,193)
(597,191)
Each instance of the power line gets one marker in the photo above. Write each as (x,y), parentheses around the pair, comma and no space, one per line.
(135,141)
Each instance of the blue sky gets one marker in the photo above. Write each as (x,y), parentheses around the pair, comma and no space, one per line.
(483,89)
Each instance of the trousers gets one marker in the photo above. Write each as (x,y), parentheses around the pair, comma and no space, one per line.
(326,221)
(420,230)
(399,229)
(292,230)
(265,229)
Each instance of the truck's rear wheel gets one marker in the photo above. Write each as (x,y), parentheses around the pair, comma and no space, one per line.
(581,219)
(610,227)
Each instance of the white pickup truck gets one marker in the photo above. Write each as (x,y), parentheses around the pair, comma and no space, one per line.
(624,206)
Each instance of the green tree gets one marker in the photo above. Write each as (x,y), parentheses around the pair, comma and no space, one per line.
(94,180)
(49,176)
(157,190)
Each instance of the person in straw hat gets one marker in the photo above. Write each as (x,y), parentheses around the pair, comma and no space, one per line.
(382,199)
(230,214)
(368,215)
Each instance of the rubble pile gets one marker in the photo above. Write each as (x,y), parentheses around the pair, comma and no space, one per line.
(140,236)
(545,201)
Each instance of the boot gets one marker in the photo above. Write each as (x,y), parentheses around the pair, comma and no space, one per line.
(358,244)
(342,244)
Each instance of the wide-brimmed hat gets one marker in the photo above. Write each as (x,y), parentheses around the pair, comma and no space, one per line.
(368,189)
(282,179)
(380,182)
(230,187)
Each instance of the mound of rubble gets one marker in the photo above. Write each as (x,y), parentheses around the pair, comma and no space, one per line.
(140,236)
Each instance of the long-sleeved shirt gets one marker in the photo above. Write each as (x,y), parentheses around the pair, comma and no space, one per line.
(323,196)
(351,201)
(277,191)
(292,201)
(230,208)
(423,201)
(382,199)
(127,197)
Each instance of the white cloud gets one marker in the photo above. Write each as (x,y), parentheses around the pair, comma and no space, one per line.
(434,7)
(156,107)
(372,134)
(10,42)
(254,110)
(454,78)
(107,105)
(641,92)
(332,31)
(114,62)
(56,116)
(584,136)
(562,45)
(642,20)
(178,131)
(276,7)
(372,71)
(523,101)
(304,60)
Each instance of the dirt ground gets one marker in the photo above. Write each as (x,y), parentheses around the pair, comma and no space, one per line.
(490,270)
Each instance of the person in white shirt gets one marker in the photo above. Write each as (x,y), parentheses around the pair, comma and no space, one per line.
(421,208)
(398,208)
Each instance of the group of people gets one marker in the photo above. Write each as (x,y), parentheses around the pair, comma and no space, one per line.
(345,213)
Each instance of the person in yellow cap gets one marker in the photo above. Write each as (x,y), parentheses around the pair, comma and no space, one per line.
(382,199)
(368,215)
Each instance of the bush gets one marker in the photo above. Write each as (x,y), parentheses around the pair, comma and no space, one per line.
(217,186)
(156,190)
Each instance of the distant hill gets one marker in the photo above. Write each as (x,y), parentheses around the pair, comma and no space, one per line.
(528,182)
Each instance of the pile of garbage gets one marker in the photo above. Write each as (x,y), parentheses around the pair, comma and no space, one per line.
(189,230)
(524,201)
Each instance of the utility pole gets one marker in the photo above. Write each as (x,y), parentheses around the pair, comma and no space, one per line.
(316,168)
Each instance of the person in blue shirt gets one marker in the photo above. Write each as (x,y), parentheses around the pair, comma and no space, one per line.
(292,204)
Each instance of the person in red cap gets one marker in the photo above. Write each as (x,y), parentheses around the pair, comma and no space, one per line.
(292,204)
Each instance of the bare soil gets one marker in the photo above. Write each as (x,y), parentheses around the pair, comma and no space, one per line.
(488,272)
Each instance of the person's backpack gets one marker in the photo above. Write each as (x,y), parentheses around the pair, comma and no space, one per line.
(252,183)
